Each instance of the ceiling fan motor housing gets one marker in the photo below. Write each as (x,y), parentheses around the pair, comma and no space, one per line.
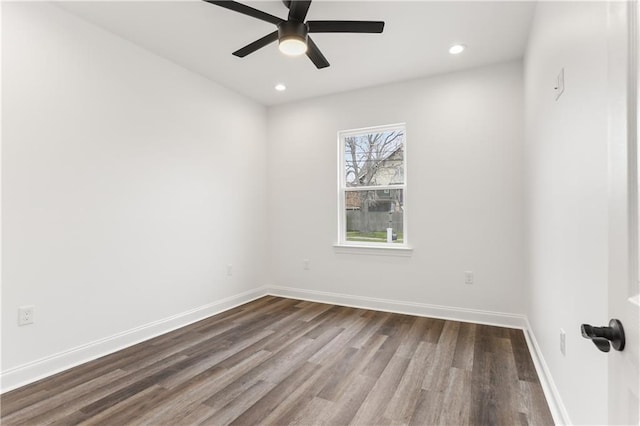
(291,29)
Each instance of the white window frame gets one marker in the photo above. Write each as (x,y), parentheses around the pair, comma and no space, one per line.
(361,246)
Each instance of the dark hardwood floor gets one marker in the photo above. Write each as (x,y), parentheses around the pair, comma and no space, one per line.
(283,361)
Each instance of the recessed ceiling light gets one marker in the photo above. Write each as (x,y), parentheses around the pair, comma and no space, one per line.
(280,87)
(456,48)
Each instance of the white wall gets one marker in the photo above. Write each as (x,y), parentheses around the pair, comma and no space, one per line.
(464,144)
(566,187)
(128,185)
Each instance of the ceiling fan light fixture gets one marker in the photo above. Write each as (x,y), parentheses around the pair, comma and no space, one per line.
(292,38)
(292,46)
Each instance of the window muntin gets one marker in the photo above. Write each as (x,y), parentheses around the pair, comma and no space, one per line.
(373,186)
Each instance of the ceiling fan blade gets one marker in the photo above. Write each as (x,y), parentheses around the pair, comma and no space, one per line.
(345,26)
(315,55)
(258,44)
(298,10)
(246,10)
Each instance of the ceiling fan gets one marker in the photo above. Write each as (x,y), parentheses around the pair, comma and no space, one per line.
(293,33)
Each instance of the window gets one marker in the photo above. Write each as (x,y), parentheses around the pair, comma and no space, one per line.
(373,187)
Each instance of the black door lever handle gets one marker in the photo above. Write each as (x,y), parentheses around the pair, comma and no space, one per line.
(605,337)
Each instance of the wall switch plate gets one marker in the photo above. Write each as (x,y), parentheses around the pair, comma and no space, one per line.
(229,269)
(307,264)
(468,277)
(559,87)
(563,342)
(25,315)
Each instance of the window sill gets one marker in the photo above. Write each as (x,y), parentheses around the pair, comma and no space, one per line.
(372,250)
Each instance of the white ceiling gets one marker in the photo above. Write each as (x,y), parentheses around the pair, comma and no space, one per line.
(417,34)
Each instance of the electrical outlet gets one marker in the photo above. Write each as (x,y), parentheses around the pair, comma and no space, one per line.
(563,342)
(229,269)
(25,315)
(307,264)
(468,277)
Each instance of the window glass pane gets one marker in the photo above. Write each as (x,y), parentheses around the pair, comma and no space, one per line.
(375,158)
(369,215)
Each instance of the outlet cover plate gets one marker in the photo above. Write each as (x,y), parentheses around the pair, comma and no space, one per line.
(25,315)
(468,277)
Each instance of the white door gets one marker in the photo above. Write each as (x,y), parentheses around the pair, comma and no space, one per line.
(624,260)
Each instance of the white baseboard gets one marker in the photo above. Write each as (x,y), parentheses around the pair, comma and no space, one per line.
(401,307)
(47,366)
(556,406)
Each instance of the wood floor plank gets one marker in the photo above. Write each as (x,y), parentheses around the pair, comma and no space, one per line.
(188,398)
(405,398)
(505,382)
(338,344)
(234,408)
(301,396)
(437,373)
(279,367)
(534,408)
(281,336)
(61,401)
(127,411)
(363,336)
(434,330)
(314,410)
(213,359)
(313,310)
(131,389)
(388,349)
(356,391)
(463,355)
(103,393)
(335,389)
(374,405)
(524,364)
(483,404)
(278,361)
(272,399)
(427,409)
(172,405)
(456,400)
(416,334)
